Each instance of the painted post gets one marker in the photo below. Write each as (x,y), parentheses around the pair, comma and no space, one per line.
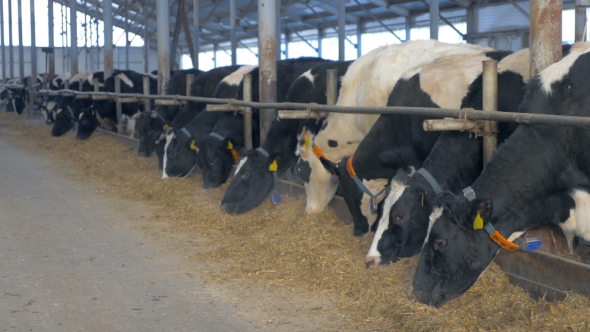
(267,59)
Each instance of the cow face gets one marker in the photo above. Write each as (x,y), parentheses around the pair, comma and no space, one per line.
(320,185)
(179,158)
(64,122)
(16,100)
(87,124)
(454,255)
(152,129)
(251,183)
(215,160)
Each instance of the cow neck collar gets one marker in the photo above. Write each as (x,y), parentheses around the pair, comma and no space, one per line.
(361,185)
(430,179)
(230,146)
(71,112)
(329,165)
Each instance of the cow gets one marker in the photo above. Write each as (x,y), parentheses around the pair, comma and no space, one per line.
(131,82)
(67,111)
(255,176)
(16,93)
(48,105)
(217,153)
(454,163)
(368,82)
(180,151)
(521,187)
(151,126)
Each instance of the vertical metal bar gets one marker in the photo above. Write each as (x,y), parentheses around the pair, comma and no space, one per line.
(232,32)
(580,23)
(287,41)
(408,28)
(267,60)
(95,84)
(434,12)
(248,112)
(146,40)
(545,34)
(2,31)
(10,46)
(214,55)
(189,82)
(67,84)
(86,54)
(97,4)
(126,34)
(51,55)
(331,86)
(74,36)
(196,36)
(146,91)
(21,49)
(359,39)
(278,21)
(320,37)
(118,107)
(341,29)
(33,80)
(490,103)
(163,20)
(80,82)
(107,10)
(470,22)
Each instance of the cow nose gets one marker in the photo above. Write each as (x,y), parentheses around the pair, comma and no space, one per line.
(312,210)
(372,262)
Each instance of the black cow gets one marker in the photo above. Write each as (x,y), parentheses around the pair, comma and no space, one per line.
(218,152)
(16,97)
(48,105)
(68,110)
(180,152)
(516,191)
(253,179)
(131,82)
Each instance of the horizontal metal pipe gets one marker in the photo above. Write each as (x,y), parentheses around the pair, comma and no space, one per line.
(471,114)
(448,124)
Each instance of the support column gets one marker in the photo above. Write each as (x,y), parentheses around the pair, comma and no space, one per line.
(278,20)
(10,45)
(21,49)
(197,32)
(50,55)
(469,22)
(33,46)
(359,39)
(97,4)
(545,34)
(146,41)
(408,27)
(232,32)
(434,12)
(320,37)
(580,23)
(163,20)
(74,36)
(107,9)
(2,41)
(267,59)
(214,55)
(341,29)
(287,41)
(126,34)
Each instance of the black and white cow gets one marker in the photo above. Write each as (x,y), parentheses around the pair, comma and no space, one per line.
(48,105)
(521,187)
(218,152)
(16,93)
(253,180)
(131,82)
(454,163)
(368,82)
(180,151)
(68,110)
(152,126)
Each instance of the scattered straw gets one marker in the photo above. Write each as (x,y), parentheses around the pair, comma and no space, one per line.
(278,245)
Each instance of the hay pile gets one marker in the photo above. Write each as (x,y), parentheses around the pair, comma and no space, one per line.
(278,245)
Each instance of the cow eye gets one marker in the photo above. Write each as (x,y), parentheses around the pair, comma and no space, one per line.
(212,161)
(399,217)
(440,243)
(245,175)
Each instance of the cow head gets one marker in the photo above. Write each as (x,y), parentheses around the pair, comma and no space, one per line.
(320,184)
(251,184)
(180,154)
(87,124)
(216,158)
(16,101)
(152,129)
(65,119)
(454,254)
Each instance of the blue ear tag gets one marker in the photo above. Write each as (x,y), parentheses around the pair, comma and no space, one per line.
(333,178)
(531,244)
(276,197)
(373,205)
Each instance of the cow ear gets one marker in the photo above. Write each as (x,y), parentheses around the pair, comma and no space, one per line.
(136,116)
(154,115)
(480,211)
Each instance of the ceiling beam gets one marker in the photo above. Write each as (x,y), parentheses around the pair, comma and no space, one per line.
(394,8)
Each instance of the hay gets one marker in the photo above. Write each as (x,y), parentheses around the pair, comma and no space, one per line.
(279,246)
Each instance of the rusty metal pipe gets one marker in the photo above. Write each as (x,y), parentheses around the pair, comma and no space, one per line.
(118,105)
(545,34)
(107,7)
(490,104)
(21,49)
(267,14)
(163,34)
(74,37)
(448,124)
(580,22)
(146,91)
(248,112)
(2,32)
(332,86)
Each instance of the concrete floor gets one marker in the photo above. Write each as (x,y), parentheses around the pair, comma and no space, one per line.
(68,262)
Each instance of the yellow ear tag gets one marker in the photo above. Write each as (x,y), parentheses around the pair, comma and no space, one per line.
(230,146)
(307,142)
(273,167)
(92,112)
(478,222)
(166,126)
(193,145)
